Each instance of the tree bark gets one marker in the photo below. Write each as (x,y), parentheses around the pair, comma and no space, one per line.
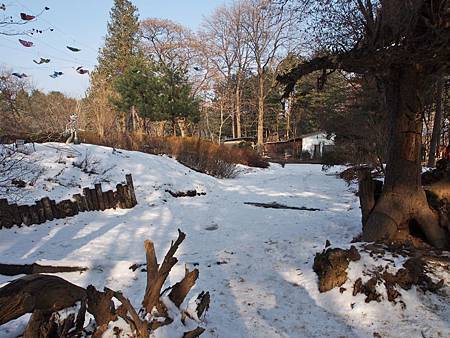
(260,134)
(435,138)
(403,198)
(29,269)
(238,107)
(37,292)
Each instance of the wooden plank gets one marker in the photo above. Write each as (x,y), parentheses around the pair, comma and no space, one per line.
(79,202)
(24,211)
(120,196)
(88,198)
(111,200)
(99,194)
(106,200)
(130,185)
(94,199)
(5,218)
(55,210)
(34,214)
(40,211)
(84,203)
(48,211)
(15,214)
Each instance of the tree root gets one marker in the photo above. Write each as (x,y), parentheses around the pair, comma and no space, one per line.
(45,295)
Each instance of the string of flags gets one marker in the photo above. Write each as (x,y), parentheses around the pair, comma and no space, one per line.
(20,76)
(28,44)
(41,61)
(82,71)
(73,49)
(56,74)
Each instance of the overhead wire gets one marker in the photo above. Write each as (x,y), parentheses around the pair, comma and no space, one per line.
(57,29)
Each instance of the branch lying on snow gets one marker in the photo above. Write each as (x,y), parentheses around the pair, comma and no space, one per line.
(42,295)
(29,269)
(275,205)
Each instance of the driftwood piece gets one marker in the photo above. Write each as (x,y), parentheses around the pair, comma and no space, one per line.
(181,289)
(29,269)
(152,295)
(37,292)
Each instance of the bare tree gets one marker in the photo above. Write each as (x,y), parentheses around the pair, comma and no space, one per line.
(267,26)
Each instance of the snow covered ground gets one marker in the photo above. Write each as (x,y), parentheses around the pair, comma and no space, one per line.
(256,262)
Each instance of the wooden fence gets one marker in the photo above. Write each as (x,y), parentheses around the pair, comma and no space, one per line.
(47,210)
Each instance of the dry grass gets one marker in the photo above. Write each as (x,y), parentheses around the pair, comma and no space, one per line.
(197,154)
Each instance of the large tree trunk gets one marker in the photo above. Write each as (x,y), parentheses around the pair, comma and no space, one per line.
(435,138)
(403,198)
(260,134)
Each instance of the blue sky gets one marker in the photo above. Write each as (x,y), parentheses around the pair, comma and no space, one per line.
(81,24)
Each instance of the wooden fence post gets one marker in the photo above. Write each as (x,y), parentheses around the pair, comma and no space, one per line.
(87,196)
(47,208)
(130,185)
(5,221)
(99,194)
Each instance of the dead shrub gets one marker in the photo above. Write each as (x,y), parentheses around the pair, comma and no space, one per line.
(200,155)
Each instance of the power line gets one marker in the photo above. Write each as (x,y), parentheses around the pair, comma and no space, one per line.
(57,29)
(37,55)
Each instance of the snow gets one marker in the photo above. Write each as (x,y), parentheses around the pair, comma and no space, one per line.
(255,262)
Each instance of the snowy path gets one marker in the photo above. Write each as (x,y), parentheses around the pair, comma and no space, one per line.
(264,285)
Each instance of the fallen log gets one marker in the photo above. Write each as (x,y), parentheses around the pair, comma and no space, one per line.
(37,292)
(29,269)
(276,205)
(45,295)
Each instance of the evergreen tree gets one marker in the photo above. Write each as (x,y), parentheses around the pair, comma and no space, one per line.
(157,93)
(121,47)
(122,39)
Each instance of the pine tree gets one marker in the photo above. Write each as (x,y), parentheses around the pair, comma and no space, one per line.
(122,39)
(120,49)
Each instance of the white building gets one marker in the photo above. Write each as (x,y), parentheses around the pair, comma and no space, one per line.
(316,143)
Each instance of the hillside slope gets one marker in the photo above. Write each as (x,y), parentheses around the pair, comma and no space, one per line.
(256,262)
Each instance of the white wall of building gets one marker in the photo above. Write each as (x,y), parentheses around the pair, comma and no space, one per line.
(313,139)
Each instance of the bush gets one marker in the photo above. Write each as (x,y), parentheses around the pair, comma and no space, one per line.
(200,155)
